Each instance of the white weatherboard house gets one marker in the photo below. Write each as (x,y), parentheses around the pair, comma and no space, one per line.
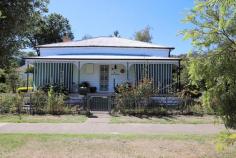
(104,62)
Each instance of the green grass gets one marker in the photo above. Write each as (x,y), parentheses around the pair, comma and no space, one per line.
(13,141)
(167,120)
(43,119)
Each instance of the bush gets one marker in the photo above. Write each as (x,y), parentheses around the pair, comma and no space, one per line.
(134,99)
(39,102)
(57,88)
(10,103)
(55,103)
(7,103)
(4,88)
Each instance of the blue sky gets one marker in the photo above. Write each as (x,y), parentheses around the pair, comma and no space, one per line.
(103,17)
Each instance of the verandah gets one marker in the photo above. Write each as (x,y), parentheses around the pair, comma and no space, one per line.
(49,73)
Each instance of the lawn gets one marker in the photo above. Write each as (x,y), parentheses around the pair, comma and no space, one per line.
(175,119)
(43,118)
(108,145)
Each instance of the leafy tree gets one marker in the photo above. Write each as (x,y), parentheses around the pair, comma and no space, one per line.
(116,33)
(17,20)
(144,35)
(214,70)
(12,79)
(49,29)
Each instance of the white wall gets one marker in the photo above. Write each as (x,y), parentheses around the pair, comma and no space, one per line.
(104,51)
(94,78)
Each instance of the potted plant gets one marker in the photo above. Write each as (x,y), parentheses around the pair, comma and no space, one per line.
(84,88)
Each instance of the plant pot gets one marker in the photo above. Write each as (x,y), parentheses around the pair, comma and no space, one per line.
(83,90)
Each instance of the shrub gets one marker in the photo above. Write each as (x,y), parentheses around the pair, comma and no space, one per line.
(134,99)
(4,88)
(18,104)
(57,88)
(11,103)
(55,102)
(39,102)
(12,79)
(6,103)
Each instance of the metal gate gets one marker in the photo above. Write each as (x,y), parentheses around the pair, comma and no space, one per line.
(100,103)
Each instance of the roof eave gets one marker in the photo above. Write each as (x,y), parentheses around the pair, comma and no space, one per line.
(41,46)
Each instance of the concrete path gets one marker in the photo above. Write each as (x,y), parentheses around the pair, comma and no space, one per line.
(100,124)
(86,128)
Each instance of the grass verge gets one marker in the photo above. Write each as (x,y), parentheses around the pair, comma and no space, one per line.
(178,119)
(43,118)
(110,145)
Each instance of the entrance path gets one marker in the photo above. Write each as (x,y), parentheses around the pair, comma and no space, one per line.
(100,124)
(99,117)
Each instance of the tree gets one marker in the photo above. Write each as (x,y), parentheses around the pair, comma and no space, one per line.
(116,33)
(49,29)
(144,35)
(214,38)
(16,21)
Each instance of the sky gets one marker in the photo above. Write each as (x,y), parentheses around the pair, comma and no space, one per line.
(103,17)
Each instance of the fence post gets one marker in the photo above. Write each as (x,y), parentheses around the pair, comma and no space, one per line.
(87,103)
(109,103)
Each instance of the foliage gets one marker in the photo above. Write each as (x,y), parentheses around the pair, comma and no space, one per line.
(144,35)
(55,102)
(49,29)
(4,88)
(12,79)
(29,69)
(225,140)
(39,102)
(7,103)
(19,104)
(10,103)
(2,76)
(17,21)
(57,88)
(213,70)
(116,33)
(134,98)
(2,16)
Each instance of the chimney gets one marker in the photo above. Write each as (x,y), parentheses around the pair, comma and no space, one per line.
(66,38)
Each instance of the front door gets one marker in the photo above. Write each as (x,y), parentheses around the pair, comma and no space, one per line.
(104,77)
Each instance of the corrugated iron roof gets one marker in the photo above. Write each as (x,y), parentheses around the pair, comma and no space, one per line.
(106,42)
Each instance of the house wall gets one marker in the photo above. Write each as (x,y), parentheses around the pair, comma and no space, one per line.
(104,51)
(115,76)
